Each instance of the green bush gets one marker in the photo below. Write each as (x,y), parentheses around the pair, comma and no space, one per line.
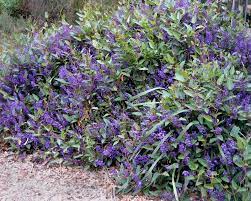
(11,6)
(55,8)
(1,7)
(159,91)
(10,24)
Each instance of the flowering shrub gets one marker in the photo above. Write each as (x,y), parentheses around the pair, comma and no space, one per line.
(160,91)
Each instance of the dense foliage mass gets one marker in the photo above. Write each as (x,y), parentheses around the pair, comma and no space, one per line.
(55,8)
(160,91)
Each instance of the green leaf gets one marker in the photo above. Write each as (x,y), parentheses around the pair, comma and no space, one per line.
(137,113)
(169,59)
(95,44)
(160,143)
(230,84)
(149,132)
(151,44)
(242,189)
(173,166)
(186,129)
(212,140)
(209,186)
(179,77)
(71,118)
(61,81)
(220,79)
(249,174)
(174,186)
(194,19)
(146,104)
(202,162)
(46,15)
(234,185)
(241,144)
(153,166)
(235,131)
(208,118)
(221,152)
(238,161)
(220,137)
(35,97)
(189,93)
(143,69)
(192,165)
(144,93)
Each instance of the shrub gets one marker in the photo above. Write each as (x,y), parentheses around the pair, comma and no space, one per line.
(9,24)
(160,92)
(55,8)
(1,8)
(11,6)
(36,9)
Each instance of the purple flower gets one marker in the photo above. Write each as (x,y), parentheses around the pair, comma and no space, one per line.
(141,159)
(159,134)
(176,122)
(209,173)
(182,4)
(110,151)
(138,182)
(182,148)
(186,160)
(217,194)
(201,129)
(188,140)
(218,130)
(47,144)
(164,148)
(185,173)
(110,36)
(99,163)
(171,139)
(167,196)
(99,149)
(231,145)
(209,37)
(229,121)
(209,161)
(165,36)
(228,148)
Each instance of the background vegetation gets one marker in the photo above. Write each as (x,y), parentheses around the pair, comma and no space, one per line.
(157,91)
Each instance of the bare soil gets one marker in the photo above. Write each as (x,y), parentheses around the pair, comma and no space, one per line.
(27,181)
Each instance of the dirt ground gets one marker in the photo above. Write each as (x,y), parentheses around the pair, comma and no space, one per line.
(27,181)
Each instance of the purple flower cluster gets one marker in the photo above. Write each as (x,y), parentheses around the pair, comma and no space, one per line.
(217,194)
(161,92)
(229,149)
(141,159)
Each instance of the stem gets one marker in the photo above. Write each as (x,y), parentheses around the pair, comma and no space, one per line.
(245,9)
(233,8)
(174,187)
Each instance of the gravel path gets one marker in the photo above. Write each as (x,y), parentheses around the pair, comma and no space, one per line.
(26,181)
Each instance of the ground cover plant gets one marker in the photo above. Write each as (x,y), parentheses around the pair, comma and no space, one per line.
(159,92)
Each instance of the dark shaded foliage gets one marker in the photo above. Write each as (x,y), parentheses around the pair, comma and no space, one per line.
(160,91)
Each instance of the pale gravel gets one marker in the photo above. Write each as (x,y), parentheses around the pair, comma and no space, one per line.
(28,181)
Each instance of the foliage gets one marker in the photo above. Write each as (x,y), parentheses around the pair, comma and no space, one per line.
(9,24)
(11,6)
(160,91)
(55,9)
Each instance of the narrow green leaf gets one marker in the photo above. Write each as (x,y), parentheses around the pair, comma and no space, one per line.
(144,93)
(235,131)
(179,77)
(192,165)
(220,80)
(202,162)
